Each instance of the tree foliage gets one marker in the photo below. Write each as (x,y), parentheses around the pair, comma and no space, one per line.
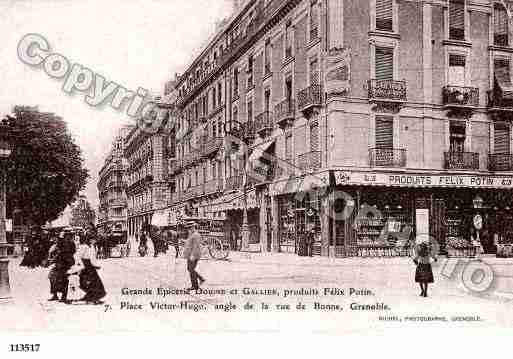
(46,169)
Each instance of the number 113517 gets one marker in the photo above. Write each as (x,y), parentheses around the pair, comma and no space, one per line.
(24,347)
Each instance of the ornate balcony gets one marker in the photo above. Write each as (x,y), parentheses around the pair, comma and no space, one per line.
(264,123)
(190,159)
(460,98)
(309,98)
(387,157)
(461,160)
(386,91)
(212,186)
(284,112)
(309,161)
(234,182)
(210,146)
(500,162)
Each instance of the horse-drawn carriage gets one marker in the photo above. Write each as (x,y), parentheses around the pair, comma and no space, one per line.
(213,240)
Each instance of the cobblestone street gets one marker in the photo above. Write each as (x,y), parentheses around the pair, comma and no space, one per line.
(278,280)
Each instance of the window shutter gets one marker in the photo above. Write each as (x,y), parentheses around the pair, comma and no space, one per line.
(314,137)
(384,132)
(501,140)
(457,19)
(457,70)
(384,15)
(384,63)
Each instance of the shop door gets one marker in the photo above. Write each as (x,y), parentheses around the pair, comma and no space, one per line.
(300,227)
(437,223)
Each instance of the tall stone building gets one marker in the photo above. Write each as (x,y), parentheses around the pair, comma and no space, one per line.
(402,108)
(112,185)
(82,214)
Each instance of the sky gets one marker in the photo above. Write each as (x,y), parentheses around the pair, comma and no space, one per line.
(135,43)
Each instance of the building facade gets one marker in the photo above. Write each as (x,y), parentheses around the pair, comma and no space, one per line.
(111,185)
(366,121)
(82,214)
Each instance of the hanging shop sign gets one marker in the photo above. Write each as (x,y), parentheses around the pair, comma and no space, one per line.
(422,180)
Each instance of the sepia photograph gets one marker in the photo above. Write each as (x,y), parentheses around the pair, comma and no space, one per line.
(255,166)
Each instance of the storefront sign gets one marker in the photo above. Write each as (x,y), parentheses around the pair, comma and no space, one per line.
(300,184)
(419,180)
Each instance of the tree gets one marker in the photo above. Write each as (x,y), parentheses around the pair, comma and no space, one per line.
(45,170)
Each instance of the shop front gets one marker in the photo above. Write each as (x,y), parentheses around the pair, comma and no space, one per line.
(299,211)
(380,214)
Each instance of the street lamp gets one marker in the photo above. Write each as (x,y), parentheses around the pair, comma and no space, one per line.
(5,152)
(246,134)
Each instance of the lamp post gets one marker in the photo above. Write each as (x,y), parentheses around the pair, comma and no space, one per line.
(242,133)
(5,152)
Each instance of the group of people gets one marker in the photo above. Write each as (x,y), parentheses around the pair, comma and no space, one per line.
(71,263)
(38,244)
(160,238)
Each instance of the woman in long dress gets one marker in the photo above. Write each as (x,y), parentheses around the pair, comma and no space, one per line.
(90,281)
(424,271)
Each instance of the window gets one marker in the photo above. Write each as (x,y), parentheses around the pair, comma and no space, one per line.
(384,63)
(288,147)
(250,71)
(214,98)
(267,100)
(500,25)
(235,114)
(250,111)
(457,136)
(457,19)
(501,138)
(288,40)
(214,130)
(235,82)
(314,137)
(288,87)
(267,57)
(314,20)
(219,93)
(502,72)
(384,132)
(213,167)
(456,70)
(314,72)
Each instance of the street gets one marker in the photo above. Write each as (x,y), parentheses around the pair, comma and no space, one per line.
(148,294)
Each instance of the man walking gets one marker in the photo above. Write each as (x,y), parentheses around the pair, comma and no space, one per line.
(61,256)
(192,253)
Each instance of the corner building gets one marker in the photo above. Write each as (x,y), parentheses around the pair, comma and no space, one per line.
(402,108)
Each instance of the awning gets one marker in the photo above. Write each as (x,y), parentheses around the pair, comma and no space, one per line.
(259,151)
(159,219)
(234,201)
(306,183)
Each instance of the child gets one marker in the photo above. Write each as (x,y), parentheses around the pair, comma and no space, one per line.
(424,272)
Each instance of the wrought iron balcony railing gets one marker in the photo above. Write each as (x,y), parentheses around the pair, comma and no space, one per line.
(264,123)
(211,145)
(190,158)
(500,162)
(284,112)
(460,96)
(234,182)
(386,90)
(309,161)
(461,160)
(212,186)
(496,100)
(309,97)
(387,157)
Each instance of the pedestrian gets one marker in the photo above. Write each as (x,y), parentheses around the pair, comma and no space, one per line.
(90,281)
(192,253)
(61,258)
(174,242)
(156,239)
(424,272)
(310,239)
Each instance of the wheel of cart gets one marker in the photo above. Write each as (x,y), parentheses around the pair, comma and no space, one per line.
(218,249)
